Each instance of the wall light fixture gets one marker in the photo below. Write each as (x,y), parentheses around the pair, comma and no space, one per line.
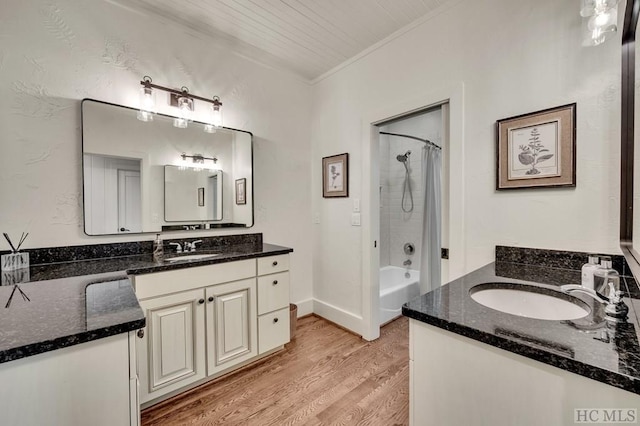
(198,160)
(181,99)
(601,20)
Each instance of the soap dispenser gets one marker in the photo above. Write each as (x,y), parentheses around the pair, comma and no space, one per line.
(587,271)
(604,276)
(158,253)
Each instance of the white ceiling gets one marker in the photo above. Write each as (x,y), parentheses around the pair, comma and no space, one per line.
(307,37)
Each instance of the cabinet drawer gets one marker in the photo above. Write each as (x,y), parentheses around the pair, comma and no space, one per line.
(273,330)
(163,283)
(273,264)
(273,292)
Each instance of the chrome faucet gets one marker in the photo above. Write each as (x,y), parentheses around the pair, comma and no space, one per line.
(614,306)
(407,263)
(191,246)
(178,247)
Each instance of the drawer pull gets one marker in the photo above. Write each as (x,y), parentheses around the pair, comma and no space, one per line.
(275,263)
(275,320)
(275,282)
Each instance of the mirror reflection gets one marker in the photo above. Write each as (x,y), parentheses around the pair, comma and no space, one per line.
(151,176)
(192,194)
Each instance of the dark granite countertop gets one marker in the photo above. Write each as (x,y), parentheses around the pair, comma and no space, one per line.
(78,301)
(590,346)
(144,263)
(37,317)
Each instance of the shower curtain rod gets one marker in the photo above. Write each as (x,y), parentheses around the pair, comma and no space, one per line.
(428,142)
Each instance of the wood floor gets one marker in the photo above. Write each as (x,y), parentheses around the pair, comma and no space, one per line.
(326,376)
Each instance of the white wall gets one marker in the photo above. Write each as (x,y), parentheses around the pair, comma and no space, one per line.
(54,53)
(513,57)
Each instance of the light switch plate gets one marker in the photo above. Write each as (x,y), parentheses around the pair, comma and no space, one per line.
(356,205)
(316,218)
(355,219)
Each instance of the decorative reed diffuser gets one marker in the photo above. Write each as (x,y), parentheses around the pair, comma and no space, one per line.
(16,259)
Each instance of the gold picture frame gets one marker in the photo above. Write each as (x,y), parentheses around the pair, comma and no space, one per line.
(537,150)
(335,176)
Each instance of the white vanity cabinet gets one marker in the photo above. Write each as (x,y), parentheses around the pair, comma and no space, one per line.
(85,384)
(204,321)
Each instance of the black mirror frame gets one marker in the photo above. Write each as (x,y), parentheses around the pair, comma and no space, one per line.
(632,11)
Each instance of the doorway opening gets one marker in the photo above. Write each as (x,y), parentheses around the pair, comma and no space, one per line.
(412,149)
(449,100)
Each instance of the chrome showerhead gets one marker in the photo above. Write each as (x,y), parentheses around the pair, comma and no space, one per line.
(403,157)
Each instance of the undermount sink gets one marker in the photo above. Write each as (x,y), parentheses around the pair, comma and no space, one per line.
(190,257)
(529,301)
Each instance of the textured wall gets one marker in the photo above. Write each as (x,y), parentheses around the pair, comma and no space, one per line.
(54,53)
(513,57)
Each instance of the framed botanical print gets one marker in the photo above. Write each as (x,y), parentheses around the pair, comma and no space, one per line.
(335,176)
(537,150)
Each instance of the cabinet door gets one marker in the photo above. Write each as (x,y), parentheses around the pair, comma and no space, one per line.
(231,324)
(171,352)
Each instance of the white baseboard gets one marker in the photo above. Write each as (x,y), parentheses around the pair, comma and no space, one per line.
(305,307)
(341,317)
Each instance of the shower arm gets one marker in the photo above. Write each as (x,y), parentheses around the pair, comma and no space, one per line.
(428,142)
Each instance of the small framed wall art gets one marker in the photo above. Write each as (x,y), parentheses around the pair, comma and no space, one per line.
(241,191)
(335,176)
(537,150)
(201,197)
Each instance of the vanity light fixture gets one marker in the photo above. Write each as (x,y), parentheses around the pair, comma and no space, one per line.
(601,20)
(183,100)
(198,160)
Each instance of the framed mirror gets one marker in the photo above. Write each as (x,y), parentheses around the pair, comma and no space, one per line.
(150,176)
(630,144)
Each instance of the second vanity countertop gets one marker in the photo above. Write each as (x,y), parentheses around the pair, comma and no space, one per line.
(588,346)
(79,301)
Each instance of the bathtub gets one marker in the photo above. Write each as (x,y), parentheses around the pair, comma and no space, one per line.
(395,290)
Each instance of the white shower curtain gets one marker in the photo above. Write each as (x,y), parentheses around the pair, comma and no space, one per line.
(430,277)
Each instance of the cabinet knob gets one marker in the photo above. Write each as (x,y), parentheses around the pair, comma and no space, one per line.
(275,282)
(275,263)
(140,333)
(210,299)
(201,301)
(275,320)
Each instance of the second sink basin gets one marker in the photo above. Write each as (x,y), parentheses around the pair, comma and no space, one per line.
(189,257)
(529,301)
